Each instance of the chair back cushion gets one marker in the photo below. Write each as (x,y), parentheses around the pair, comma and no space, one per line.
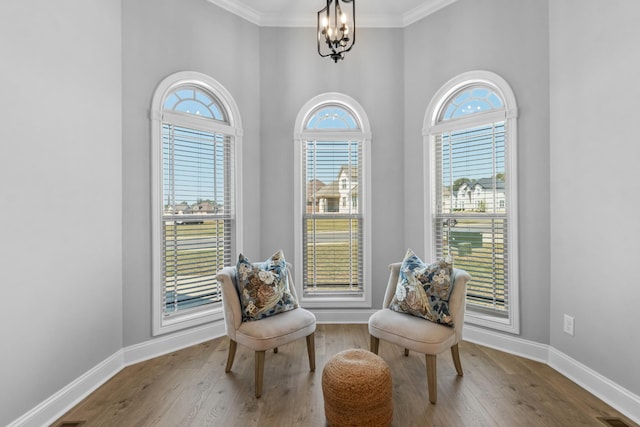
(458,299)
(264,287)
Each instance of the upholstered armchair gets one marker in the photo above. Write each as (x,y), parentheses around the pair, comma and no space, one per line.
(418,334)
(264,334)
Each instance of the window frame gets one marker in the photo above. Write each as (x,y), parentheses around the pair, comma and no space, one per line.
(162,324)
(301,135)
(433,127)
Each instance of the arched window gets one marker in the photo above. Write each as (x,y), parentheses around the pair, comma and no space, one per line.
(196,136)
(470,141)
(332,141)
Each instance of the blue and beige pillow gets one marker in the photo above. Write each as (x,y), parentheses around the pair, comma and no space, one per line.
(264,287)
(423,290)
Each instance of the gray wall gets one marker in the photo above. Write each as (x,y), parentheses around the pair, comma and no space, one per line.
(161,37)
(509,38)
(291,74)
(594,172)
(60,169)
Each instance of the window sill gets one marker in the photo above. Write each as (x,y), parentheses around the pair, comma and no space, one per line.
(499,323)
(177,322)
(320,301)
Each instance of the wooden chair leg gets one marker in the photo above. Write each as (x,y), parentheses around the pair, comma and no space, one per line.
(275,350)
(374,344)
(259,372)
(311,351)
(231,355)
(406,352)
(432,381)
(455,354)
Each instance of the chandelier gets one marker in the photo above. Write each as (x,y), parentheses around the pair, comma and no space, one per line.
(336,29)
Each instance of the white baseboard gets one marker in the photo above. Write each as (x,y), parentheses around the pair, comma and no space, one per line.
(165,344)
(59,403)
(342,316)
(507,343)
(55,406)
(603,388)
(608,391)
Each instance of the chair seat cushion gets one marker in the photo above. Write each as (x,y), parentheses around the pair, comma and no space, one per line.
(411,332)
(274,331)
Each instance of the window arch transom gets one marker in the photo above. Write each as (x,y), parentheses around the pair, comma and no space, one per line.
(190,99)
(332,117)
(470,100)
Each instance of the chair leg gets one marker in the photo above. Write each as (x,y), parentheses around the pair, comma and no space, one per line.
(455,354)
(406,352)
(231,356)
(275,350)
(259,372)
(432,381)
(374,344)
(311,351)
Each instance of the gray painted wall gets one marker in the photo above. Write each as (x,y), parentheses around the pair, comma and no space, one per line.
(291,74)
(594,171)
(60,168)
(509,38)
(161,37)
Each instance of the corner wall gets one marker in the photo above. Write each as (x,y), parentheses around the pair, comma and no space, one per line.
(594,172)
(61,175)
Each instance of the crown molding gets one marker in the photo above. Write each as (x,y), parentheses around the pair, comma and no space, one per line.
(369,20)
(240,9)
(424,10)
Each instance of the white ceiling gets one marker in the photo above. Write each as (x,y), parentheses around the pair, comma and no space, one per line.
(303,13)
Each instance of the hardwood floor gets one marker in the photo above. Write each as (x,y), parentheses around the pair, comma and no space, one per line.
(190,388)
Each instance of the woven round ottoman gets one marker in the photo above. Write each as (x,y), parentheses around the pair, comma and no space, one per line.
(356,385)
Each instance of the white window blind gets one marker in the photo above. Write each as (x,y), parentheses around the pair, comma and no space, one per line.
(196,217)
(470,221)
(333,220)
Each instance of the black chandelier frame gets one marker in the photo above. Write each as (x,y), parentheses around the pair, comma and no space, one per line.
(335,36)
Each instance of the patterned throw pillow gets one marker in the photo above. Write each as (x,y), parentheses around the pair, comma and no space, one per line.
(423,290)
(264,287)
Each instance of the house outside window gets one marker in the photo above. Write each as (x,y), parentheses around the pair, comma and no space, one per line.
(471,152)
(331,144)
(196,136)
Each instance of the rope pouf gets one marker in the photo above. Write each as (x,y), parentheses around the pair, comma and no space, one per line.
(356,385)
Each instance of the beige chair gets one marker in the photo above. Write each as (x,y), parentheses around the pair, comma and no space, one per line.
(418,334)
(264,334)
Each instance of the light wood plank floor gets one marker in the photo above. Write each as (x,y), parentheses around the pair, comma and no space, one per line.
(190,388)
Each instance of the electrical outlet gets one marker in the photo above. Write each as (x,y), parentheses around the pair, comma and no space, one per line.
(568,324)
